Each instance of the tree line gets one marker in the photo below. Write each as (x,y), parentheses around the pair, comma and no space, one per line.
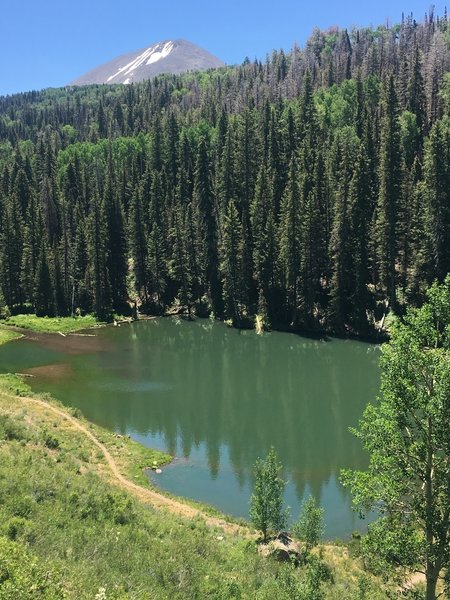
(312,189)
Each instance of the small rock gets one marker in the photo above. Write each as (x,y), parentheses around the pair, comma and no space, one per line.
(158,471)
(282,548)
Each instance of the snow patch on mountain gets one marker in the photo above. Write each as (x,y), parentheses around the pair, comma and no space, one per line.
(167,56)
(149,56)
(155,56)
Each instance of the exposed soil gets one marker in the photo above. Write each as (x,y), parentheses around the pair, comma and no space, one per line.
(152,497)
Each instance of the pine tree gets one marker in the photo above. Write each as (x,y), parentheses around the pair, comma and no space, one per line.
(437,195)
(342,239)
(206,213)
(261,210)
(117,247)
(231,264)
(361,214)
(290,239)
(389,196)
(11,252)
(138,242)
(32,234)
(44,294)
(179,265)
(97,266)
(157,266)
(416,95)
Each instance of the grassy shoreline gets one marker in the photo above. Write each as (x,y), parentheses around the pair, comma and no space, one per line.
(8,336)
(84,533)
(55,456)
(50,324)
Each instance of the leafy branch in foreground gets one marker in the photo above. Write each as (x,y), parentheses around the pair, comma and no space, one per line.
(407,435)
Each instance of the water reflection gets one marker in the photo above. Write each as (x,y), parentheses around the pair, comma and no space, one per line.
(221,398)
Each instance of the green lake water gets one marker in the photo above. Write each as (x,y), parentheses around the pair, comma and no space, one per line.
(217,398)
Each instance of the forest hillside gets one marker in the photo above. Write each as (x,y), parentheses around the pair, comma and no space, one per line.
(312,189)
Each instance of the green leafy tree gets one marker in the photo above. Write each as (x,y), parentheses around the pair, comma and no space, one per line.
(309,527)
(266,503)
(407,435)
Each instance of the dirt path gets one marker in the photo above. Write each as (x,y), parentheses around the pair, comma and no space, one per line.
(144,494)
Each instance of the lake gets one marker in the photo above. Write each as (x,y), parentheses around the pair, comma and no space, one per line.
(217,398)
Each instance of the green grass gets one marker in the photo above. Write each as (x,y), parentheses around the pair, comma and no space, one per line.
(67,532)
(51,324)
(7,336)
(132,458)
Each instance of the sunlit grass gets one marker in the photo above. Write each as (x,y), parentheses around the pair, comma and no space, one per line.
(52,324)
(7,336)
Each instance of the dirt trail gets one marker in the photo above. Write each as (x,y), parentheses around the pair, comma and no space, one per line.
(144,494)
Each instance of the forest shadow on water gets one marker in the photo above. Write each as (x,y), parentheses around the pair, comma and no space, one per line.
(217,398)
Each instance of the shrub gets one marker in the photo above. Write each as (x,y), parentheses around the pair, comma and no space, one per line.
(309,527)
(266,503)
(10,429)
(50,441)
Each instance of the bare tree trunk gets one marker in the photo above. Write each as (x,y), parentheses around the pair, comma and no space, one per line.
(432,578)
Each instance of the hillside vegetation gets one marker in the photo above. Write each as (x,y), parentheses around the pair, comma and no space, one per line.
(68,532)
(311,190)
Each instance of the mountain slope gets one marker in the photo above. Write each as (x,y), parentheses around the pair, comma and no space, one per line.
(177,56)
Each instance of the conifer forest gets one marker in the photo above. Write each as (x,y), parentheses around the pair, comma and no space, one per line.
(312,189)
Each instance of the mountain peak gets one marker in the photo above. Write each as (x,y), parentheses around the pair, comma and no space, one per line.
(169,56)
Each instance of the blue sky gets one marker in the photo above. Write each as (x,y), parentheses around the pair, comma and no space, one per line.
(47,43)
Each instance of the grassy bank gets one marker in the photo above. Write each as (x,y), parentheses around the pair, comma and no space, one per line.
(7,335)
(68,531)
(51,324)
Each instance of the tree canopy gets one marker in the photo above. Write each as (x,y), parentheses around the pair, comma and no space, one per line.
(311,189)
(407,436)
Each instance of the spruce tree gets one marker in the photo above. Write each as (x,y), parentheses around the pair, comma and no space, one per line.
(207,215)
(97,269)
(389,196)
(342,243)
(43,295)
(290,239)
(138,242)
(261,210)
(179,265)
(117,246)
(231,264)
(437,196)
(361,214)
